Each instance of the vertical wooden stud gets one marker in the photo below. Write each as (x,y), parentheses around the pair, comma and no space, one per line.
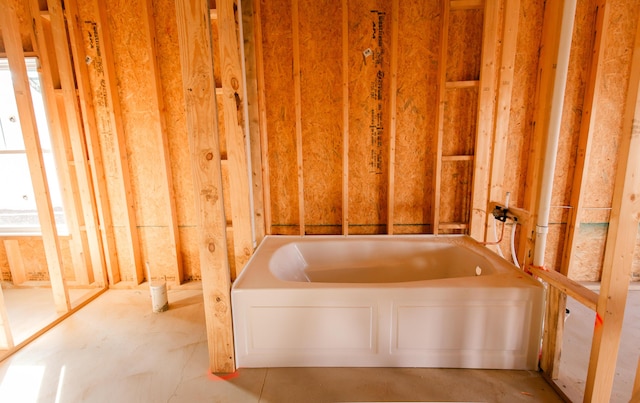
(486,108)
(505,89)
(587,127)
(71,111)
(298,104)
(94,154)
(618,257)
(59,141)
(262,115)
(345,117)
(233,84)
(442,77)
(194,35)
(13,47)
(248,30)
(162,153)
(392,115)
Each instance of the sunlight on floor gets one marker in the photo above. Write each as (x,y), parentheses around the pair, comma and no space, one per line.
(22,383)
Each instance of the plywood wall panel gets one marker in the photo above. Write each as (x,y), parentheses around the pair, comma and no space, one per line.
(168,55)
(280,110)
(523,98)
(369,72)
(418,43)
(613,90)
(142,128)
(460,120)
(321,107)
(455,191)
(464,45)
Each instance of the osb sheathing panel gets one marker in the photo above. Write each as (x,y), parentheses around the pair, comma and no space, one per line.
(94,49)
(280,113)
(143,134)
(464,45)
(455,191)
(460,118)
(522,101)
(168,54)
(217,74)
(418,44)
(611,99)
(368,114)
(321,107)
(35,261)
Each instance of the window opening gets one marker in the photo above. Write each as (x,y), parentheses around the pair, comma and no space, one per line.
(18,211)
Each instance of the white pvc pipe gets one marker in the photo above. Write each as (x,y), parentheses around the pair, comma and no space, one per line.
(555,119)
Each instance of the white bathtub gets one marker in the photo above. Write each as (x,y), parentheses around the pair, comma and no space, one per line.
(384,301)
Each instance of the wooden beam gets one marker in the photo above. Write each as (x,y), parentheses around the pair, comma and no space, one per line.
(13,47)
(262,116)
(546,74)
(345,117)
(248,29)
(393,112)
(112,131)
(60,142)
(619,247)
(442,78)
(486,114)
(71,112)
(234,105)
(567,286)
(89,152)
(587,128)
(503,109)
(466,4)
(194,36)
(295,24)
(16,264)
(162,155)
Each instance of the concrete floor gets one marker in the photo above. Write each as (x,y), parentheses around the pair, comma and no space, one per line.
(117,350)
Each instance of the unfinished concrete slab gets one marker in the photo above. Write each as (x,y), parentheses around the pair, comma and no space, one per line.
(117,349)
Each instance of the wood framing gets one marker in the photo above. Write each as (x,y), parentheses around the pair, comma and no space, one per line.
(71,112)
(194,35)
(234,105)
(262,116)
(345,117)
(587,127)
(618,258)
(393,94)
(442,79)
(556,313)
(503,109)
(60,144)
(162,151)
(13,47)
(89,121)
(16,264)
(295,23)
(485,125)
(248,29)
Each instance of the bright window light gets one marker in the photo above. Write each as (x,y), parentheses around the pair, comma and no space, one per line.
(18,212)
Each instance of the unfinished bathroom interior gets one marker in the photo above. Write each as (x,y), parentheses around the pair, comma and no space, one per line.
(163,141)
